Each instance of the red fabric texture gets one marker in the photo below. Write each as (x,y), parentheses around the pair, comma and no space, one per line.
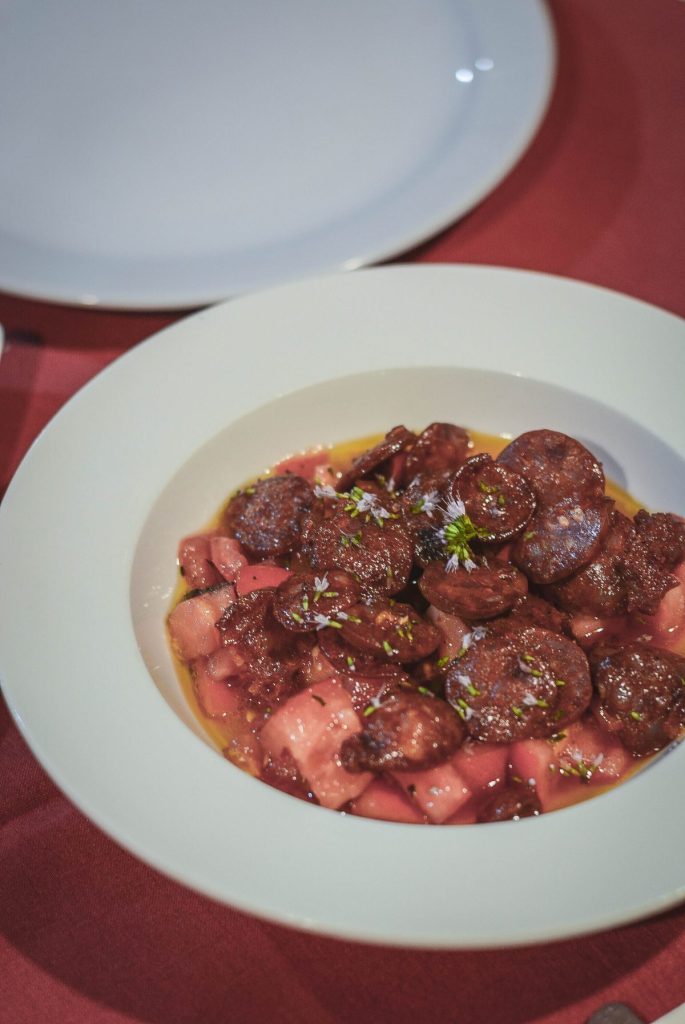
(90,935)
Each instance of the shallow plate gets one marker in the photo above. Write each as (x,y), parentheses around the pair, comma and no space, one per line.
(145,453)
(216,147)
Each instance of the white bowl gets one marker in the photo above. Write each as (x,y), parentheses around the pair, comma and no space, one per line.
(149,450)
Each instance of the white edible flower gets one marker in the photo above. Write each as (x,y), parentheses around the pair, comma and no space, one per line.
(469,565)
(464,680)
(452,563)
(454,509)
(479,633)
(321,621)
(325,491)
(529,700)
(320,584)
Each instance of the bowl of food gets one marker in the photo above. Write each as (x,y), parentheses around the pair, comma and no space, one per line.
(352,593)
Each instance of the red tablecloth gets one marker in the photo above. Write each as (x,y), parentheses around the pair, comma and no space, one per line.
(89,934)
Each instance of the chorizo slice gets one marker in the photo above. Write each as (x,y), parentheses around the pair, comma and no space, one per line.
(273,654)
(482,593)
(623,577)
(663,536)
(438,450)
(304,602)
(410,730)
(350,660)
(560,539)
(522,683)
(531,610)
(395,441)
(640,694)
(390,631)
(267,516)
(517,800)
(379,557)
(497,499)
(555,465)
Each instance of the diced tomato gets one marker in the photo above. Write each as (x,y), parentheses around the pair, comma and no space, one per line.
(256,577)
(216,698)
(384,800)
(225,663)
(482,765)
(195,560)
(227,555)
(535,762)
(562,770)
(312,466)
(192,623)
(312,726)
(439,792)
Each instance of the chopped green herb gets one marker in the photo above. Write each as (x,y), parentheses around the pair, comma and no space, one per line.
(501,500)
(441,662)
(517,712)
(296,617)
(636,715)
(560,682)
(368,710)
(529,535)
(425,691)
(388,648)
(486,488)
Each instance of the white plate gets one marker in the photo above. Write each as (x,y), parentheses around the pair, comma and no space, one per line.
(145,453)
(169,154)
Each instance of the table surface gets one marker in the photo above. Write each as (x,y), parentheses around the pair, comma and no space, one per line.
(90,934)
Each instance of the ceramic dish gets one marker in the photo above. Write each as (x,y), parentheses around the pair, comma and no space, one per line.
(219,147)
(148,450)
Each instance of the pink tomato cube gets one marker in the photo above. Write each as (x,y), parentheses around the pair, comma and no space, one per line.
(312,727)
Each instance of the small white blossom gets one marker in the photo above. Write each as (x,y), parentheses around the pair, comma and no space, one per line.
(479,633)
(464,680)
(454,509)
(429,502)
(343,616)
(320,584)
(598,760)
(529,700)
(469,565)
(452,563)
(325,491)
(524,666)
(321,621)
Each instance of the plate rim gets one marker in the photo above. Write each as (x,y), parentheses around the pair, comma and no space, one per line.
(155,347)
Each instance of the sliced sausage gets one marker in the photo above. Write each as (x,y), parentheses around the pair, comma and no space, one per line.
(410,730)
(623,577)
(267,516)
(390,631)
(497,499)
(663,536)
(439,449)
(304,601)
(522,683)
(555,465)
(641,694)
(560,539)
(394,441)
(531,610)
(517,800)
(379,557)
(480,594)
(350,660)
(273,654)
